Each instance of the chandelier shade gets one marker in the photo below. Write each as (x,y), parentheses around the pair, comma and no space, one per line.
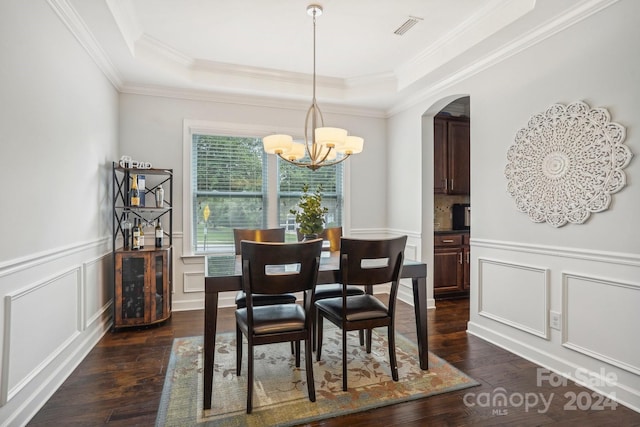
(321,144)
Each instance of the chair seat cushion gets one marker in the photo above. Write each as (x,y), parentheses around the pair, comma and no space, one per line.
(269,319)
(335,290)
(359,307)
(264,299)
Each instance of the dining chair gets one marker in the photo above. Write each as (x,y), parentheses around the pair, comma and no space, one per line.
(367,263)
(266,270)
(259,235)
(331,290)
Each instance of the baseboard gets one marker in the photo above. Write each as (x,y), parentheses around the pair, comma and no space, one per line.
(624,394)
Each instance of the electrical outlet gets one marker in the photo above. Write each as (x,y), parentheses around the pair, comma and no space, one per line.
(556,320)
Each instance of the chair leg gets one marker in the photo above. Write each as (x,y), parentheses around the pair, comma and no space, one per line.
(392,353)
(361,332)
(250,380)
(238,350)
(311,388)
(344,360)
(298,354)
(319,329)
(314,325)
(369,335)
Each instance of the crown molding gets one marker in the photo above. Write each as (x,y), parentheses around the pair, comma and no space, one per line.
(529,39)
(490,19)
(346,90)
(256,101)
(78,28)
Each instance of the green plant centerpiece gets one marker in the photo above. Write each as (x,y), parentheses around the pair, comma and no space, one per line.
(310,213)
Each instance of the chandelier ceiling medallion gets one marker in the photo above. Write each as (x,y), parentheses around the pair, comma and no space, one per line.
(323,146)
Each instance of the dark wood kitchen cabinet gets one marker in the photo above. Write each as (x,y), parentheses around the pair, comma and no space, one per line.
(451,270)
(451,150)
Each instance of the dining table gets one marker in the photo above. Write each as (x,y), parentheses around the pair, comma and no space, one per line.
(223,273)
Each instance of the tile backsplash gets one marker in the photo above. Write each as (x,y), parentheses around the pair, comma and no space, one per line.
(442,210)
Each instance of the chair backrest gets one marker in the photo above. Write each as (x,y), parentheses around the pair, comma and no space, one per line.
(256,235)
(277,268)
(331,234)
(371,262)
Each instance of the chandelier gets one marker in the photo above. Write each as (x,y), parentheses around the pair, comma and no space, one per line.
(322,145)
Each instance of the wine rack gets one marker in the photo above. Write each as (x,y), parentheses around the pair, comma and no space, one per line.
(142,278)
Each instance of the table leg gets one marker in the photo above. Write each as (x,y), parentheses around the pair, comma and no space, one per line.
(210,325)
(420,306)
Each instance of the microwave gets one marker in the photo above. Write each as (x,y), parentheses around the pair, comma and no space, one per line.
(461,216)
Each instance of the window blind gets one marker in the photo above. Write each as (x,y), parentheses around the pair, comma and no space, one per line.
(229,188)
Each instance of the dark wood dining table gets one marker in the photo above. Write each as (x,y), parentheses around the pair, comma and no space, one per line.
(224,274)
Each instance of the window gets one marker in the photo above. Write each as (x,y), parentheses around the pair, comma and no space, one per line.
(234,184)
(291,180)
(228,188)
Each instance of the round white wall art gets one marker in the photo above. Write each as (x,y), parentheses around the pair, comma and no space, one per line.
(566,164)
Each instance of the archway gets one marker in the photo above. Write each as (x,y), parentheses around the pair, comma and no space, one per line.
(428,199)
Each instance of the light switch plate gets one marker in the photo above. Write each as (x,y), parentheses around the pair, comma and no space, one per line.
(556,320)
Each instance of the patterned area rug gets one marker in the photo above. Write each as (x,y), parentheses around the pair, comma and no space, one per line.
(280,390)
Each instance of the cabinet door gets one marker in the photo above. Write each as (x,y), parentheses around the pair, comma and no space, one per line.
(131,296)
(440,163)
(467,269)
(448,270)
(159,290)
(459,157)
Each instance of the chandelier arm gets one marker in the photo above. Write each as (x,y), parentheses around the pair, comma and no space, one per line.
(312,149)
(313,166)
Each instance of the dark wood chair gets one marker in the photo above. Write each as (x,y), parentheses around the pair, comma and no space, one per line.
(365,263)
(259,235)
(263,272)
(331,290)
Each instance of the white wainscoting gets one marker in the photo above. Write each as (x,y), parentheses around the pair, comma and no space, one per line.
(35,330)
(514,294)
(57,306)
(193,281)
(593,304)
(515,286)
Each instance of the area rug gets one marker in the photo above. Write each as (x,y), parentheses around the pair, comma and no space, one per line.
(280,389)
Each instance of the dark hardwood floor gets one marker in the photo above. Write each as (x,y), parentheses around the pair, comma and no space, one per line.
(120,381)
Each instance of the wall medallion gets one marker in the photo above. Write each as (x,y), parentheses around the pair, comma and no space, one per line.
(566,164)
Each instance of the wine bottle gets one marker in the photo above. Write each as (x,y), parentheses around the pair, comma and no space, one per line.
(126,233)
(135,193)
(159,196)
(135,244)
(141,241)
(159,234)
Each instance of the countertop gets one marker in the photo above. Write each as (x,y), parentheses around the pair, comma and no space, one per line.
(442,232)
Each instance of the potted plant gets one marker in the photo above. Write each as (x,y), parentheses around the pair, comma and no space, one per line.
(310,213)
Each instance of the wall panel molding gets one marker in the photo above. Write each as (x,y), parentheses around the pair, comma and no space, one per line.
(632,260)
(20,264)
(524,287)
(25,355)
(97,270)
(193,281)
(596,319)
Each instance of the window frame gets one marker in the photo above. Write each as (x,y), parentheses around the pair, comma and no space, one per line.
(191,127)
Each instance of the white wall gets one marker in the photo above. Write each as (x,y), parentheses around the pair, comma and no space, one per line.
(521,270)
(58,134)
(151,129)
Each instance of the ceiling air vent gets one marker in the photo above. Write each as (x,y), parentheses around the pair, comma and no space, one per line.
(413,20)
